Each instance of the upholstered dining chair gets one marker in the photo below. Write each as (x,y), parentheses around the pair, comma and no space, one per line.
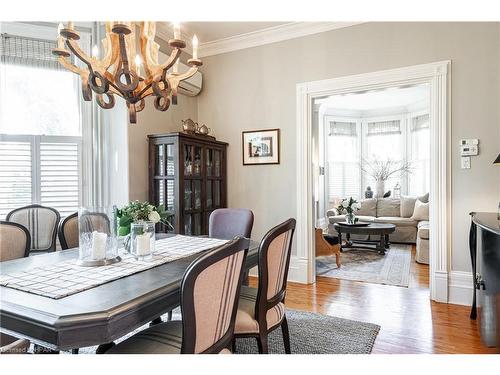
(262,310)
(15,243)
(227,223)
(41,222)
(209,299)
(68,232)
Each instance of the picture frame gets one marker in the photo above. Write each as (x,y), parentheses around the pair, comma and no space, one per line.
(261,147)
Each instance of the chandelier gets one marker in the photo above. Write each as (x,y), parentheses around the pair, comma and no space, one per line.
(129,66)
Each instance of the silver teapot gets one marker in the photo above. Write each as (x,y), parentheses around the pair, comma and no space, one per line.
(204,130)
(189,126)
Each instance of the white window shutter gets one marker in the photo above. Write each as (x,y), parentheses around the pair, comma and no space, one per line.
(59,176)
(15,175)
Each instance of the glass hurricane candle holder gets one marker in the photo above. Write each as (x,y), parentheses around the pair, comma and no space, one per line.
(142,237)
(98,245)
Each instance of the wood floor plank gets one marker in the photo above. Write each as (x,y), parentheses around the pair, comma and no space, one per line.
(410,322)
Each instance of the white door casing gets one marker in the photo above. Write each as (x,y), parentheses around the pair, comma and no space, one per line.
(302,267)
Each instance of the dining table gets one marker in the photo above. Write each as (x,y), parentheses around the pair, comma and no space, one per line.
(96,316)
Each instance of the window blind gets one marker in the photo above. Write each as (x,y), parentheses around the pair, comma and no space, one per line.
(341,128)
(384,128)
(21,50)
(420,123)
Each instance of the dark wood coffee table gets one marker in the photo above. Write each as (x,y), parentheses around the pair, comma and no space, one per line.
(380,230)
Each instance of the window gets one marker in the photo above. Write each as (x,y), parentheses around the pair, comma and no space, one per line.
(40,128)
(384,141)
(399,138)
(343,160)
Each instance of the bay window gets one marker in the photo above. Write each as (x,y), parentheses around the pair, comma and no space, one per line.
(350,140)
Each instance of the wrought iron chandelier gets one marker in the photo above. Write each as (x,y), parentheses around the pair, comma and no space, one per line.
(129,66)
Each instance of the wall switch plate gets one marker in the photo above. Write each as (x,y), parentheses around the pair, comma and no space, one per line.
(465,161)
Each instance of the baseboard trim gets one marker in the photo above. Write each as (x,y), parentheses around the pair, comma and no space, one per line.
(296,273)
(460,288)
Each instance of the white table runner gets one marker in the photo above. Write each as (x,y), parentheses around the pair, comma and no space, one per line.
(66,278)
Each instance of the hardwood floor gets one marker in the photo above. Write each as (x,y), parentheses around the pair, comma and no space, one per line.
(410,322)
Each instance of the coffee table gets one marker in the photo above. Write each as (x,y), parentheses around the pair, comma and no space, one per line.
(380,230)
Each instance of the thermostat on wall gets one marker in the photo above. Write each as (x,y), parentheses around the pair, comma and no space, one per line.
(471,141)
(469,150)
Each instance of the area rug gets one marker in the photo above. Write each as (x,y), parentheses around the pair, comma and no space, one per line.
(393,268)
(310,333)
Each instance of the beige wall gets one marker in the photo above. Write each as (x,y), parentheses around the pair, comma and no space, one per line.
(151,121)
(255,88)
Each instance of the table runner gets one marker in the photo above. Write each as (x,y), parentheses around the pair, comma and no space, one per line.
(66,278)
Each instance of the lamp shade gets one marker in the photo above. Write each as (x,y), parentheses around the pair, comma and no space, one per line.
(497,160)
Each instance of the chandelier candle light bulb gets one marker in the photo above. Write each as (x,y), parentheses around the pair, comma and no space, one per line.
(109,73)
(177,30)
(195,47)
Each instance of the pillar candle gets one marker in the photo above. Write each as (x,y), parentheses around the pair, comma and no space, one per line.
(143,244)
(99,245)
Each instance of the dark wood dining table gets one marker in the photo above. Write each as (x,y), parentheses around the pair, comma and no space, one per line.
(94,316)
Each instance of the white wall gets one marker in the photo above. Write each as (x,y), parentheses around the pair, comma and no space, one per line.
(255,88)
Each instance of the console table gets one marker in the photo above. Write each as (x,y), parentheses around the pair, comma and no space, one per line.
(484,243)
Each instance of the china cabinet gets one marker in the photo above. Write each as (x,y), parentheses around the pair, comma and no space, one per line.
(187,173)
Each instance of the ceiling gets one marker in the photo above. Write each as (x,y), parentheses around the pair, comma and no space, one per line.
(378,99)
(211,31)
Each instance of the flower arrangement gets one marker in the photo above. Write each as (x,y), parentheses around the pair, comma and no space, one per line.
(136,212)
(348,206)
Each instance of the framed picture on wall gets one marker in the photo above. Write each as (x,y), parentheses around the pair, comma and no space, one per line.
(261,147)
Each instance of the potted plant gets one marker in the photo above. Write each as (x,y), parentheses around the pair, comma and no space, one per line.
(140,213)
(348,206)
(137,212)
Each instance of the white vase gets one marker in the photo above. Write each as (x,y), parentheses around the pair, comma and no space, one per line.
(380,189)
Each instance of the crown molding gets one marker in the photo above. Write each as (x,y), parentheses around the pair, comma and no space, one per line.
(269,35)
(253,39)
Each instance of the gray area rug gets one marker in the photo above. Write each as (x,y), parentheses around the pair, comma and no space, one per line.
(393,268)
(310,333)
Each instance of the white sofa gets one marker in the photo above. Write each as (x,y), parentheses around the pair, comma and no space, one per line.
(389,210)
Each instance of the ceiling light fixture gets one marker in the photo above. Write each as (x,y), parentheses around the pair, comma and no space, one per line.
(126,48)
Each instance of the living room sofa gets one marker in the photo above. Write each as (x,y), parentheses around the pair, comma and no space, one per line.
(393,211)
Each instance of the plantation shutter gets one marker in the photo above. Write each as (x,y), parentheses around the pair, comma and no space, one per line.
(59,176)
(15,175)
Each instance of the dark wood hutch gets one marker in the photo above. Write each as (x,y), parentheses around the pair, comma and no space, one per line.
(188,174)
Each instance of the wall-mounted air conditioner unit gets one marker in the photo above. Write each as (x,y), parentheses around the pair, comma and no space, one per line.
(191,86)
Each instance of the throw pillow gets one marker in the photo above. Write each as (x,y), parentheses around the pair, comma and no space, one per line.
(424,198)
(407,206)
(421,211)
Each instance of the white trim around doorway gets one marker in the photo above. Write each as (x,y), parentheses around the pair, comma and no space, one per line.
(436,75)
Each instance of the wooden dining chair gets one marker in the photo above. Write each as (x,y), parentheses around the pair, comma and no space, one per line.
(41,222)
(68,232)
(262,310)
(15,243)
(209,299)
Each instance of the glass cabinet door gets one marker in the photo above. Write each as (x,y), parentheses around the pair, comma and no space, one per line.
(160,160)
(188,160)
